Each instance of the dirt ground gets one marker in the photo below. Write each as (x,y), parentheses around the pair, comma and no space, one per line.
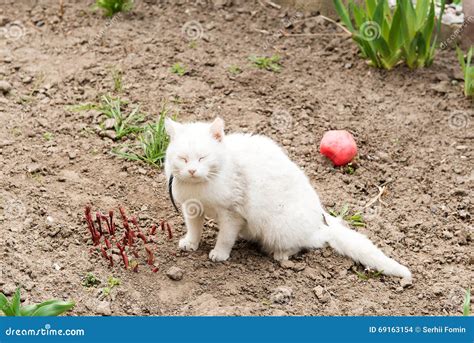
(414,131)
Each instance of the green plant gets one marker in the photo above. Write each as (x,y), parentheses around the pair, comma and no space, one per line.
(466,308)
(48,308)
(153,143)
(90,280)
(117,77)
(368,274)
(354,219)
(111,7)
(123,124)
(468,70)
(268,63)
(389,36)
(178,69)
(235,70)
(48,136)
(112,282)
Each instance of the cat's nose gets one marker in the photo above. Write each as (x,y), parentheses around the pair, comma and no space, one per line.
(192,171)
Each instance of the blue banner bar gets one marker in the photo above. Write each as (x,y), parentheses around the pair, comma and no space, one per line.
(236,329)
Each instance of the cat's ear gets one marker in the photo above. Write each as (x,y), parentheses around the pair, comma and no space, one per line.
(171,127)
(217,129)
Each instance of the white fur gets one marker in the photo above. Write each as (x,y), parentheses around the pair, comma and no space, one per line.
(254,191)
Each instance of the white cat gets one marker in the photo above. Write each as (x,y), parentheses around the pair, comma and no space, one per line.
(254,191)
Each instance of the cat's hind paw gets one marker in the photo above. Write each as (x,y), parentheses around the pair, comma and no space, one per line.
(218,255)
(186,245)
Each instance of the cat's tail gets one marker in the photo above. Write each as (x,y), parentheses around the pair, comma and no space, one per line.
(359,248)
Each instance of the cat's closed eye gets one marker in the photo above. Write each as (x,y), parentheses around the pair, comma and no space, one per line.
(201,158)
(183,158)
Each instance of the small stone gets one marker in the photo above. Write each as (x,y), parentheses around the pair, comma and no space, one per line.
(142,171)
(175,273)
(447,234)
(8,289)
(72,155)
(56,266)
(320,294)
(49,221)
(462,147)
(27,79)
(286,264)
(282,295)
(109,124)
(34,168)
(103,308)
(405,282)
(5,87)
(348,65)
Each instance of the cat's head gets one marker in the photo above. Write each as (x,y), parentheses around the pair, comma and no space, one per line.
(196,150)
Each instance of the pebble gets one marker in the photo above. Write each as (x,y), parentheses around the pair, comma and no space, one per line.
(320,294)
(8,289)
(175,273)
(405,282)
(287,264)
(282,295)
(5,87)
(34,168)
(109,124)
(103,308)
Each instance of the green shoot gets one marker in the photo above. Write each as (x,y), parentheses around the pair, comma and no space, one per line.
(153,143)
(112,282)
(354,219)
(368,274)
(468,71)
(90,280)
(268,63)
(110,7)
(178,69)
(386,36)
(45,309)
(48,136)
(117,77)
(466,308)
(235,70)
(123,124)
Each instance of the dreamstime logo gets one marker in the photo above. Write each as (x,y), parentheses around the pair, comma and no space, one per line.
(370,31)
(458,120)
(281,119)
(13,31)
(443,45)
(193,208)
(192,30)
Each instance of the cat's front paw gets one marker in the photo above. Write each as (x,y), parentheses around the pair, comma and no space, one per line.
(218,255)
(187,245)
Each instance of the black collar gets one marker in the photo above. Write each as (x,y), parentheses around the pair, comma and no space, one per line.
(170,191)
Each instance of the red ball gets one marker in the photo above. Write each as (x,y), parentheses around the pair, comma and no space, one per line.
(339,146)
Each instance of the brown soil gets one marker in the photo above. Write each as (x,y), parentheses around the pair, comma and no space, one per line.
(413,129)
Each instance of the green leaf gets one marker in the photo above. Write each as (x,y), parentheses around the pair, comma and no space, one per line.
(54,309)
(15,306)
(343,14)
(3,301)
(28,310)
(467,303)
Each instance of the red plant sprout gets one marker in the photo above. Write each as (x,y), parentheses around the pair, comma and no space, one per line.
(98,217)
(142,236)
(125,259)
(124,218)
(135,222)
(107,243)
(102,225)
(170,232)
(112,225)
(151,257)
(152,230)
